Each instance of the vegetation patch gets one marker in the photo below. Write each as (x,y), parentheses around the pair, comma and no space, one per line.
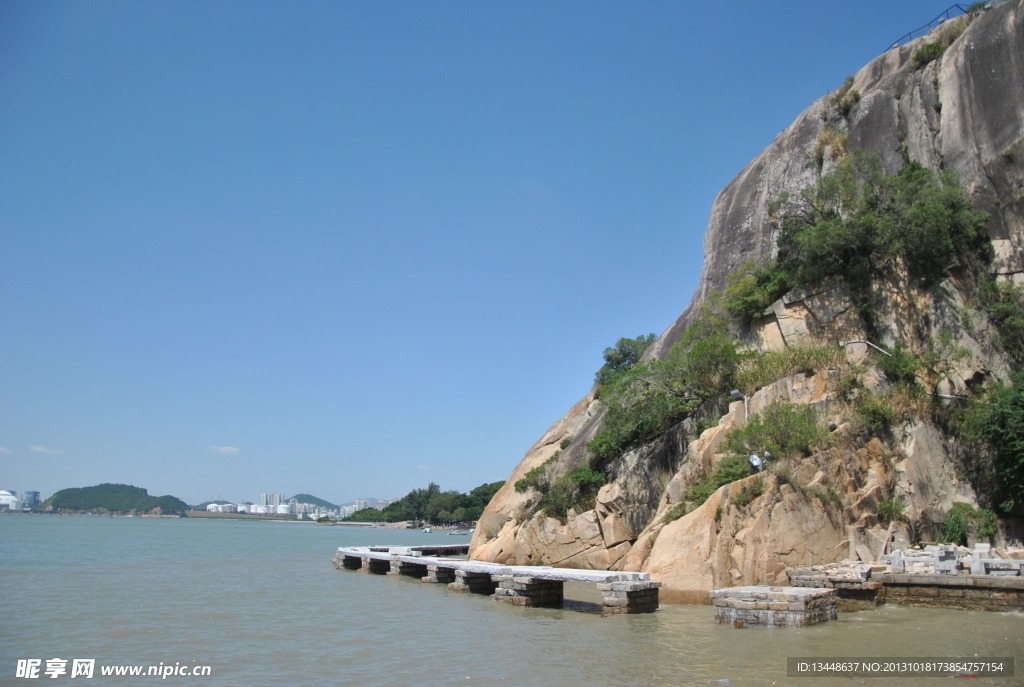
(1004,304)
(761,369)
(891,510)
(873,414)
(624,355)
(845,97)
(651,396)
(729,469)
(750,491)
(949,32)
(433,505)
(571,490)
(929,53)
(831,144)
(858,224)
(1000,425)
(900,365)
(783,428)
(828,497)
(675,512)
(752,288)
(956,526)
(534,478)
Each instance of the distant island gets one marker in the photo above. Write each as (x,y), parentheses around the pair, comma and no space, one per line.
(120,499)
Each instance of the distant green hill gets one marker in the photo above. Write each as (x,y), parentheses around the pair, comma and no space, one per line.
(114,498)
(309,498)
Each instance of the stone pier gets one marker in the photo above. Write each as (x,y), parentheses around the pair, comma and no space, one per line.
(522,585)
(629,597)
(528,591)
(774,606)
(474,582)
(399,567)
(438,575)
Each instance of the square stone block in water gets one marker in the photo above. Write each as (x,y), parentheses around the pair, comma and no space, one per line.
(766,606)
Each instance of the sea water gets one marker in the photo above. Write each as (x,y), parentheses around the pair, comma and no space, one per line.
(260,604)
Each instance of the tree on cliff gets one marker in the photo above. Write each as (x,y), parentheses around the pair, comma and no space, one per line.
(624,355)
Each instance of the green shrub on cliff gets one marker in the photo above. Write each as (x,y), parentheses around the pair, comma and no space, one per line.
(751,490)
(761,369)
(900,366)
(651,396)
(536,478)
(858,224)
(846,96)
(783,428)
(891,510)
(929,53)
(957,524)
(949,32)
(752,288)
(625,354)
(1000,425)
(1004,304)
(570,490)
(727,470)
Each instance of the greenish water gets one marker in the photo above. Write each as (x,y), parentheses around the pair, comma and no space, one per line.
(261,605)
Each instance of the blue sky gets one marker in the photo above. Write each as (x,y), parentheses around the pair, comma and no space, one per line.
(349,248)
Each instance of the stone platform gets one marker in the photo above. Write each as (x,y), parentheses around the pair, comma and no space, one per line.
(862,587)
(764,606)
(962,592)
(856,590)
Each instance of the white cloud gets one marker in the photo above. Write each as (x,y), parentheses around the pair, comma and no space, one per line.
(223,450)
(422,467)
(36,448)
(5,450)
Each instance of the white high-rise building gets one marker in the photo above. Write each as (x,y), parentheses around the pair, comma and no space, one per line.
(362,504)
(274,498)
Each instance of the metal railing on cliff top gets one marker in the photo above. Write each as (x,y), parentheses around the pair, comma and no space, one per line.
(950,13)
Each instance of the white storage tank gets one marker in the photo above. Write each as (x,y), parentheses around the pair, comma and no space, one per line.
(284,509)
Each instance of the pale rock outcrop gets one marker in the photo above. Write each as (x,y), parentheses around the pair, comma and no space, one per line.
(504,507)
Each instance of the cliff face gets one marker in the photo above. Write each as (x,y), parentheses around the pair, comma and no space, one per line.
(963,111)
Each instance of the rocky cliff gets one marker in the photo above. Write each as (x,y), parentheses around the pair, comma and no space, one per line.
(962,111)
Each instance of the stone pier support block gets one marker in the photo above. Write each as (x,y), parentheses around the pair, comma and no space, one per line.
(376,567)
(774,606)
(407,569)
(438,575)
(528,591)
(629,597)
(476,583)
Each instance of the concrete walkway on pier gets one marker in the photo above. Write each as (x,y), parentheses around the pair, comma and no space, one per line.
(523,585)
